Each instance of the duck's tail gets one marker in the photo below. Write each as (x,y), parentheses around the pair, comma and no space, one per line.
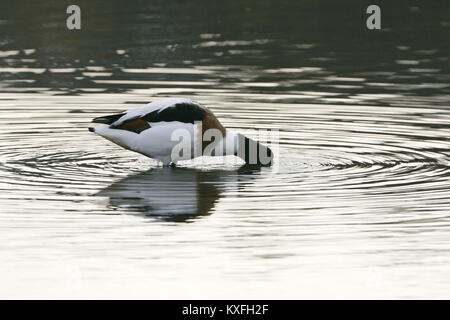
(108,119)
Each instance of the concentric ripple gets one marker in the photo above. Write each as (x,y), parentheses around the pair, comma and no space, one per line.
(351,155)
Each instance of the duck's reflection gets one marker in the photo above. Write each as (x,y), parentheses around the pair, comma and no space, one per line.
(177,195)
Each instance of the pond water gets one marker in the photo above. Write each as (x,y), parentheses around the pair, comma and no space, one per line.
(357,205)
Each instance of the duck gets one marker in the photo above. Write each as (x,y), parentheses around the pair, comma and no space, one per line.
(174,129)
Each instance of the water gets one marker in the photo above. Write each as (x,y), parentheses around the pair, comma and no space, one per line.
(356,207)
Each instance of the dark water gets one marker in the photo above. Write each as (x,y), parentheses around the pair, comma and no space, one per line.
(358,204)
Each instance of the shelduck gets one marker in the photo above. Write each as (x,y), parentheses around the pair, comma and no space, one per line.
(176,129)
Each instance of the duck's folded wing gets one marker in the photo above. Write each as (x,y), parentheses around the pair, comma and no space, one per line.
(187,112)
(138,120)
(109,119)
(184,111)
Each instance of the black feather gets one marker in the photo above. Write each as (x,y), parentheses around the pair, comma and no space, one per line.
(182,112)
(108,119)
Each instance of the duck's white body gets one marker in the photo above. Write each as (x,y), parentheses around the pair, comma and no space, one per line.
(155,143)
(160,128)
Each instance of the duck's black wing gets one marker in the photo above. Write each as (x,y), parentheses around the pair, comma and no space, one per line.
(182,112)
